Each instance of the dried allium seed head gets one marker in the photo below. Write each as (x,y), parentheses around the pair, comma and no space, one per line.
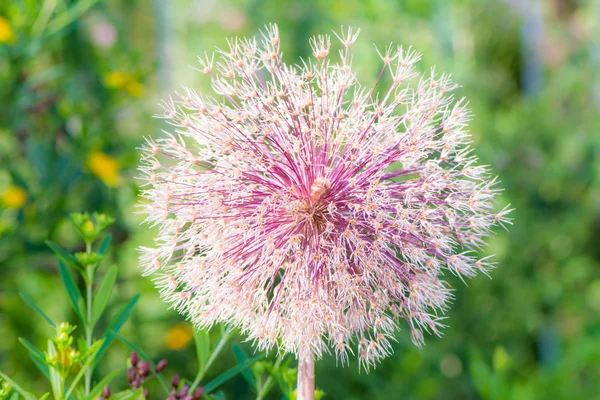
(310,211)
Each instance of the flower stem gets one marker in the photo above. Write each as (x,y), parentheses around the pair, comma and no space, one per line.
(213,356)
(264,388)
(306,377)
(88,320)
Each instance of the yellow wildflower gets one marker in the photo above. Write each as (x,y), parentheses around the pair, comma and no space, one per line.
(14,197)
(88,228)
(6,33)
(116,79)
(65,357)
(134,88)
(104,167)
(179,336)
(123,81)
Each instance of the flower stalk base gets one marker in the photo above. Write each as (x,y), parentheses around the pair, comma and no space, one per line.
(306,377)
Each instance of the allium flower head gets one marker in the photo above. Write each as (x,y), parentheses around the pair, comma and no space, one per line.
(309,211)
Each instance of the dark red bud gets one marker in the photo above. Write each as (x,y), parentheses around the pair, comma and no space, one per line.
(131,375)
(143,368)
(184,390)
(146,393)
(134,358)
(175,381)
(106,392)
(160,366)
(137,382)
(198,393)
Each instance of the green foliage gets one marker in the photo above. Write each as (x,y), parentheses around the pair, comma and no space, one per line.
(8,385)
(68,364)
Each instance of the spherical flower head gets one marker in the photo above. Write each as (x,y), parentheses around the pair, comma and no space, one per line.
(309,211)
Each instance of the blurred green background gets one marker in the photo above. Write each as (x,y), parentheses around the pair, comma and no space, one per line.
(79,83)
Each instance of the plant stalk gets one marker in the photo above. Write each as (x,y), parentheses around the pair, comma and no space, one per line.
(213,356)
(263,389)
(88,323)
(306,377)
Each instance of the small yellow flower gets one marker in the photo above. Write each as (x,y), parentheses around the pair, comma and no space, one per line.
(125,82)
(134,88)
(6,33)
(179,336)
(14,197)
(88,228)
(66,357)
(116,79)
(104,167)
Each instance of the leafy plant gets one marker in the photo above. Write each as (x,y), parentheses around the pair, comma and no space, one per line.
(71,355)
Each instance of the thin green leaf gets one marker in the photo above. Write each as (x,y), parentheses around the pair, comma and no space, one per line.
(202,340)
(218,396)
(42,366)
(104,245)
(17,388)
(225,333)
(270,381)
(130,394)
(63,255)
(45,396)
(133,347)
(72,290)
(70,15)
(121,317)
(32,349)
(219,380)
(283,383)
(93,350)
(241,357)
(37,309)
(103,294)
(81,345)
(116,324)
(97,390)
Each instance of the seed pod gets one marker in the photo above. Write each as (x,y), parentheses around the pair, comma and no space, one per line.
(131,374)
(175,381)
(184,390)
(143,368)
(137,382)
(160,366)
(198,393)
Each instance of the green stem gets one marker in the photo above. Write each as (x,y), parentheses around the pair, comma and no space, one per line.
(61,388)
(264,389)
(70,15)
(89,328)
(220,344)
(42,19)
